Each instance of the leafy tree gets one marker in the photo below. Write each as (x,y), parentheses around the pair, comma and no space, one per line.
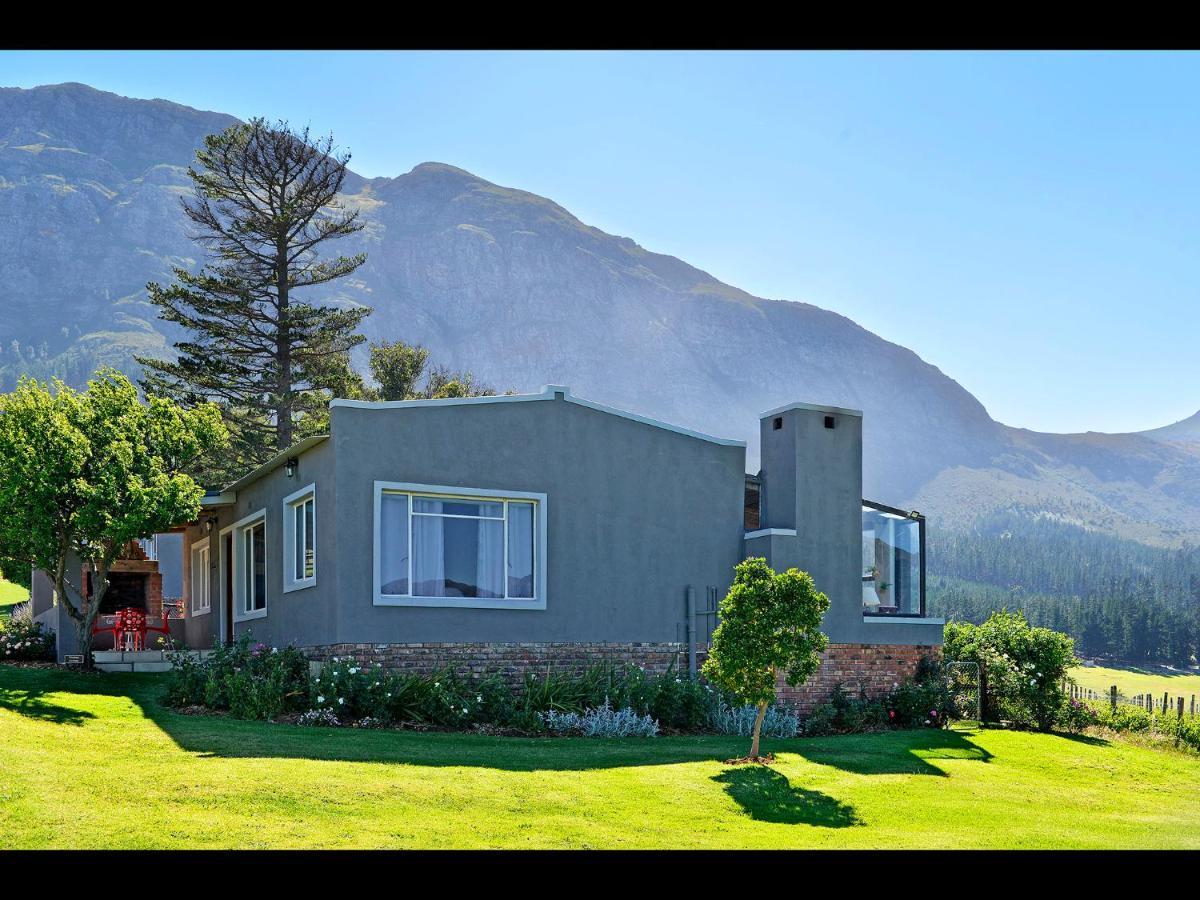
(1021,669)
(399,368)
(265,204)
(87,472)
(770,623)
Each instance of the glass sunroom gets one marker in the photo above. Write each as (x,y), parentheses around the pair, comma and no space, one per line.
(893,561)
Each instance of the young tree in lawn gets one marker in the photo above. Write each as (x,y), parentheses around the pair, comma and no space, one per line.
(265,207)
(770,623)
(87,472)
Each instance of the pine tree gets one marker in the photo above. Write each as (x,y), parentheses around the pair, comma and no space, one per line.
(265,204)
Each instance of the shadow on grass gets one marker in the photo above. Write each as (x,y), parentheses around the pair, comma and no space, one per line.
(29,703)
(912,752)
(897,752)
(767,796)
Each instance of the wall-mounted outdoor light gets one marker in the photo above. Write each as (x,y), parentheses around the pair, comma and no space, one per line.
(291,466)
(209,523)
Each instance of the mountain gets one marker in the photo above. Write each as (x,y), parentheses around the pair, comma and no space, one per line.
(514,287)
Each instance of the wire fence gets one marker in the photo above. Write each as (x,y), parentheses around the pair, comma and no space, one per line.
(1180,704)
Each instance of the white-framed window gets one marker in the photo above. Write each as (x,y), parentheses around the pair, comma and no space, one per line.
(459,547)
(250,567)
(200,579)
(300,539)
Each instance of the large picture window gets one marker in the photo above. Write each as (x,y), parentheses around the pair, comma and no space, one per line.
(300,539)
(250,567)
(200,579)
(893,562)
(446,546)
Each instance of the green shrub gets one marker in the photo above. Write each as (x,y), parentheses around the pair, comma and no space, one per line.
(1182,730)
(250,680)
(1022,669)
(25,640)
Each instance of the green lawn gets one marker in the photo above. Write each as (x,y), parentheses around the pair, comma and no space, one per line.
(10,595)
(95,761)
(1133,680)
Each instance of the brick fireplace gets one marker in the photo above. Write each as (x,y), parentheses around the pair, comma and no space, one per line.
(133,581)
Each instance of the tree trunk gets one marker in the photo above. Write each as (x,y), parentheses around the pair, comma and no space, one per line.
(762,712)
(283,349)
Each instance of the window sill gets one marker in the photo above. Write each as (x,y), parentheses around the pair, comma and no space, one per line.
(895,619)
(248,616)
(197,613)
(289,586)
(459,602)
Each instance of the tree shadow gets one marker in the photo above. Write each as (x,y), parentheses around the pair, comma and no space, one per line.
(29,703)
(767,796)
(903,753)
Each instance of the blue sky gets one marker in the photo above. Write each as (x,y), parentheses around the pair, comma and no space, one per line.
(1026,222)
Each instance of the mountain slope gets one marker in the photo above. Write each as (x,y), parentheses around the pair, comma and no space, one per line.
(514,287)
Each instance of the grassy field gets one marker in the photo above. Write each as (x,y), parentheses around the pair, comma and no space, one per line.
(1133,680)
(10,595)
(215,782)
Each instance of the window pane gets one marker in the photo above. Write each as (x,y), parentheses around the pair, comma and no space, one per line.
(310,538)
(247,570)
(458,507)
(520,549)
(458,557)
(298,541)
(393,544)
(891,578)
(260,566)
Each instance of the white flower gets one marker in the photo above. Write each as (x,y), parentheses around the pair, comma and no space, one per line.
(354,670)
(321,699)
(341,700)
(479,698)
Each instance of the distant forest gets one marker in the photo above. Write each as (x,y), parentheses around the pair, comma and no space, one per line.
(1119,599)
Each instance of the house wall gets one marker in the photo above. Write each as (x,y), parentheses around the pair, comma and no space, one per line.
(636,513)
(812,484)
(304,617)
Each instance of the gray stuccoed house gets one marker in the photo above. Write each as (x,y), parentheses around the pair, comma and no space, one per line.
(517,531)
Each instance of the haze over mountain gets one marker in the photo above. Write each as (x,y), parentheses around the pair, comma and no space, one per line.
(515,288)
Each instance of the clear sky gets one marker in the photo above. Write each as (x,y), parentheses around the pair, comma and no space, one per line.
(1026,222)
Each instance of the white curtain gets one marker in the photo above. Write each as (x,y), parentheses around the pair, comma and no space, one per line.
(429,556)
(489,562)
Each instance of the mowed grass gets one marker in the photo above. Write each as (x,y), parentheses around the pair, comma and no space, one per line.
(96,761)
(10,595)
(1134,680)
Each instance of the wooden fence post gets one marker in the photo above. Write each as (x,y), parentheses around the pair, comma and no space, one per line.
(1112,696)
(1166,705)
(1181,707)
(1193,704)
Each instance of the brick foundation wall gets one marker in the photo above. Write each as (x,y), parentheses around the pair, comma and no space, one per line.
(509,660)
(871,668)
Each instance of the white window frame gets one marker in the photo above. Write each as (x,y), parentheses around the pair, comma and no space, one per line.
(240,614)
(537,602)
(200,547)
(290,582)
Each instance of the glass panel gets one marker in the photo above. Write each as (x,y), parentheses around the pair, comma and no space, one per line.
(458,557)
(458,507)
(298,541)
(393,544)
(247,569)
(310,538)
(520,549)
(259,533)
(891,554)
